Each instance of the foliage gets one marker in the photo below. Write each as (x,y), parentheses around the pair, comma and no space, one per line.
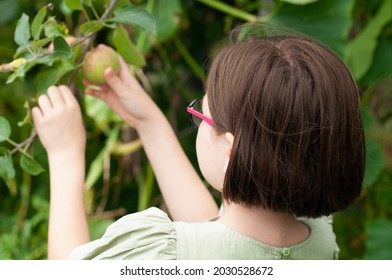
(167,43)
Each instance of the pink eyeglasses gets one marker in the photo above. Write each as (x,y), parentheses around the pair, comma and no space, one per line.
(195,109)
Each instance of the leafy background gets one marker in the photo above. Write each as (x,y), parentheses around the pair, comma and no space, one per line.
(168,43)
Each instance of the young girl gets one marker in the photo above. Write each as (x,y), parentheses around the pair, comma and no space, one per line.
(279,134)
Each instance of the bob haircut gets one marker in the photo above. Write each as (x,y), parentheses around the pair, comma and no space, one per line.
(294,110)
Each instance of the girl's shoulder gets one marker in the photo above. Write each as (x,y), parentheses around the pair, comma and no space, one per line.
(148,234)
(151,234)
(214,240)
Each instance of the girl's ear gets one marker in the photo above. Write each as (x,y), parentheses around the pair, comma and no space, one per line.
(230,140)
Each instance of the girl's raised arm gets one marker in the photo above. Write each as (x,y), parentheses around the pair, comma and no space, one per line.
(184,192)
(59,125)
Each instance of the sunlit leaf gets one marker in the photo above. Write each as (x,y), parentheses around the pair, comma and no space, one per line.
(95,170)
(22,31)
(91,26)
(379,240)
(18,73)
(27,118)
(88,3)
(361,49)
(5,129)
(136,17)
(100,112)
(36,25)
(36,45)
(299,2)
(54,29)
(75,5)
(124,46)
(96,167)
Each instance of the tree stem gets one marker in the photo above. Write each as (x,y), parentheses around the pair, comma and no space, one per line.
(28,141)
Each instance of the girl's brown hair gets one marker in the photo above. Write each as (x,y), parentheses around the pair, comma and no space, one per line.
(294,109)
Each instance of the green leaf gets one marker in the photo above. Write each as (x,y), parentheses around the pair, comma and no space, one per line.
(328,21)
(126,48)
(36,25)
(367,119)
(374,162)
(52,75)
(7,171)
(136,17)
(382,61)
(36,45)
(91,26)
(29,165)
(61,48)
(379,240)
(5,129)
(88,3)
(75,5)
(167,16)
(96,167)
(22,31)
(299,2)
(53,29)
(100,112)
(95,170)
(18,73)
(361,49)
(27,118)
(62,52)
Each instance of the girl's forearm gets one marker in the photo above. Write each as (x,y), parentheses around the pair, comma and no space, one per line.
(67,222)
(185,194)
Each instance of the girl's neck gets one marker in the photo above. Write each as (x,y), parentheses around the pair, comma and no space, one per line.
(264,225)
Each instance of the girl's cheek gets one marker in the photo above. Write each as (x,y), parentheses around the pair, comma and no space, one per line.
(210,156)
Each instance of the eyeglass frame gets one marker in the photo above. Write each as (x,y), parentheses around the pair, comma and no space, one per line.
(198,114)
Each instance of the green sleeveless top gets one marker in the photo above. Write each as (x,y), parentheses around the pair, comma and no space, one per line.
(151,235)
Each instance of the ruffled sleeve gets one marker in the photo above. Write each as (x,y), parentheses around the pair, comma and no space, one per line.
(149,234)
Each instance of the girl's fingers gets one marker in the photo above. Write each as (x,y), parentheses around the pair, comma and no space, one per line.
(94,93)
(45,104)
(124,66)
(67,95)
(37,115)
(55,96)
(113,80)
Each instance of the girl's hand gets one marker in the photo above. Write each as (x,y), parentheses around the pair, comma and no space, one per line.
(58,121)
(124,95)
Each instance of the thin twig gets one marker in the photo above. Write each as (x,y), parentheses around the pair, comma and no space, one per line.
(28,141)
(110,8)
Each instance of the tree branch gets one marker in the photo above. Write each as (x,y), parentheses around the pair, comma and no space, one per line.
(88,43)
(28,141)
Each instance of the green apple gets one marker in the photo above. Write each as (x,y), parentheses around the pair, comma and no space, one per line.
(97,61)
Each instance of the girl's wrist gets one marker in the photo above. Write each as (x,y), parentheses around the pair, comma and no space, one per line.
(67,155)
(152,121)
